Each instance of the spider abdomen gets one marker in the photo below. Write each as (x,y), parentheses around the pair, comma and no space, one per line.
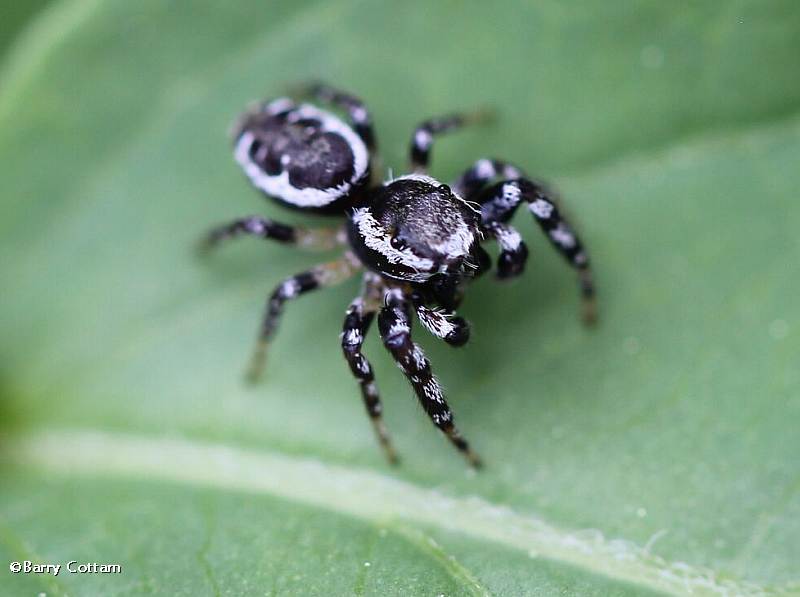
(302,156)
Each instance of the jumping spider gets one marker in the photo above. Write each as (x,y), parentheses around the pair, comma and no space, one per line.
(417,240)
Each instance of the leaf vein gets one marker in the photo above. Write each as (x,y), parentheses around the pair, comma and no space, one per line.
(365,495)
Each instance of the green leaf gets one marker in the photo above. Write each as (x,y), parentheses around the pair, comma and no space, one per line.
(657,453)
(16,17)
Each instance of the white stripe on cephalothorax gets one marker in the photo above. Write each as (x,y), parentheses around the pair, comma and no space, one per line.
(378,239)
(457,244)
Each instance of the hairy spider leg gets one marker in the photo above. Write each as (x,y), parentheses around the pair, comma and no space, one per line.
(356,109)
(320,276)
(498,204)
(482,172)
(394,324)
(321,239)
(444,324)
(481,259)
(440,322)
(513,251)
(357,322)
(422,140)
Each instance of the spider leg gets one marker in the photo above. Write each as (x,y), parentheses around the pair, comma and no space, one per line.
(422,140)
(448,291)
(481,259)
(322,239)
(441,323)
(356,325)
(356,109)
(482,172)
(394,324)
(500,201)
(320,276)
(513,251)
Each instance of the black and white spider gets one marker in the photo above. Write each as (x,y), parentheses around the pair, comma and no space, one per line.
(417,241)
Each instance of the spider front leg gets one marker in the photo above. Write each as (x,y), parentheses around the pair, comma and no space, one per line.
(443,324)
(321,276)
(321,239)
(394,324)
(513,251)
(500,201)
(422,140)
(482,172)
(356,325)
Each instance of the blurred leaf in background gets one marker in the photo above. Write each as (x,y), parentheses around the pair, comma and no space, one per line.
(15,15)
(655,454)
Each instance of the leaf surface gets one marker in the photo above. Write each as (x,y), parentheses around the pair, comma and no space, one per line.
(656,453)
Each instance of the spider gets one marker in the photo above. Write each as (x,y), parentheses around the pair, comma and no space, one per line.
(416,240)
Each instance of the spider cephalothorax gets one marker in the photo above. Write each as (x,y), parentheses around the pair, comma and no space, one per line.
(412,228)
(418,241)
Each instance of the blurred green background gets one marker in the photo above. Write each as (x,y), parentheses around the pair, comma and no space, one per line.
(656,454)
(16,16)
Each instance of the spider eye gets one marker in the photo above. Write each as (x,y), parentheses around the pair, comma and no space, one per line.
(398,243)
(445,189)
